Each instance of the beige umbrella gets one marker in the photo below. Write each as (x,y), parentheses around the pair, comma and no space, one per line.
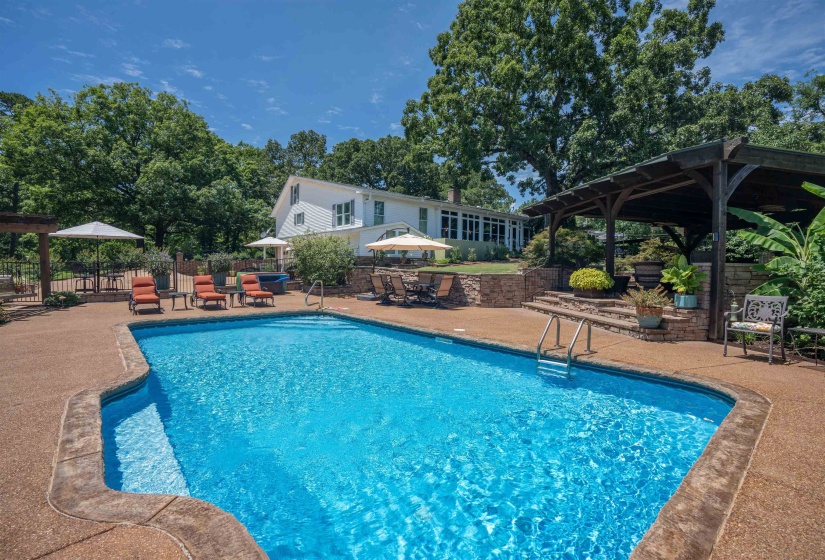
(407,242)
(268,242)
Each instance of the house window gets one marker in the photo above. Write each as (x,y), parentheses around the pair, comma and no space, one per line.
(299,219)
(422,220)
(471,226)
(378,213)
(449,224)
(495,230)
(294,195)
(342,214)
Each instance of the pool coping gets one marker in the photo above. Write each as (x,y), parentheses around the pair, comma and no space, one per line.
(688,525)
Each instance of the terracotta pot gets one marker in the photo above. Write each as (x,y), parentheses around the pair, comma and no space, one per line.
(649,317)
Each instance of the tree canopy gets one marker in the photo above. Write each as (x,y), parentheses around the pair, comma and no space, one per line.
(551,93)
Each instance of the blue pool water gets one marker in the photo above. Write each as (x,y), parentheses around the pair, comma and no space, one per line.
(331,438)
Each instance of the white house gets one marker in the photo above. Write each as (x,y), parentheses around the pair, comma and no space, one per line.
(364,215)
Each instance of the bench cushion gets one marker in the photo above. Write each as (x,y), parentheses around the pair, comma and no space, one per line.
(212,296)
(259,294)
(760,327)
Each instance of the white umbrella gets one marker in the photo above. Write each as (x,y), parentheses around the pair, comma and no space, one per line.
(407,242)
(98,231)
(267,242)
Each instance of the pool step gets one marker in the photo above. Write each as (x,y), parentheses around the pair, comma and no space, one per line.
(621,326)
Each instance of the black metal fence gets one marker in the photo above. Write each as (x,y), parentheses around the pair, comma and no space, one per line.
(114,277)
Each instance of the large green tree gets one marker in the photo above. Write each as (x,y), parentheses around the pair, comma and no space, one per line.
(553,92)
(803,128)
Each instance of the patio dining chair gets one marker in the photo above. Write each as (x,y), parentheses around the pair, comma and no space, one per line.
(399,292)
(379,288)
(205,292)
(760,316)
(81,274)
(441,291)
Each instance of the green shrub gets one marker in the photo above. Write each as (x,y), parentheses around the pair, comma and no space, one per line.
(650,250)
(471,255)
(590,279)
(157,262)
(574,247)
(221,262)
(4,316)
(739,249)
(322,257)
(130,257)
(806,310)
(454,255)
(54,299)
(441,261)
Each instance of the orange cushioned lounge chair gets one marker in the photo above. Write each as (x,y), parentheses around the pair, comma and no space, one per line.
(205,291)
(144,292)
(251,287)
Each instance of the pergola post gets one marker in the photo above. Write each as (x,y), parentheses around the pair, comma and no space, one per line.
(610,209)
(554,223)
(45,265)
(719,226)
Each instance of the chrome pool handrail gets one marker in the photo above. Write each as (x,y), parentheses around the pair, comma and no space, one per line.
(575,338)
(309,291)
(544,334)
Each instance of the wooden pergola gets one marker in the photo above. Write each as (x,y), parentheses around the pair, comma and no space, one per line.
(42,225)
(692,189)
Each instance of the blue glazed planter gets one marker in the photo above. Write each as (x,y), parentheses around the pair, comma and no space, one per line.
(685,301)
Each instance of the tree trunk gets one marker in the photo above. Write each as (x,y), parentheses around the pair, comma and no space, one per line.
(15,205)
(160,235)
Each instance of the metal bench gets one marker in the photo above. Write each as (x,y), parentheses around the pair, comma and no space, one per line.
(760,316)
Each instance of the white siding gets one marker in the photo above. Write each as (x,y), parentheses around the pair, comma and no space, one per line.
(315,201)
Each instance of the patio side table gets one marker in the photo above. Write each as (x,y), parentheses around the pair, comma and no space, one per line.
(231,294)
(816,333)
(176,295)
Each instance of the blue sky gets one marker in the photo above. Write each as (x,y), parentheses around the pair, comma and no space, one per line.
(259,70)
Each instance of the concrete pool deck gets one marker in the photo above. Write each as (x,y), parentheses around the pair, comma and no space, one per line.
(44,360)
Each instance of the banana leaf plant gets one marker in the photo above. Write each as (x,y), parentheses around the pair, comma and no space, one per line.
(795,247)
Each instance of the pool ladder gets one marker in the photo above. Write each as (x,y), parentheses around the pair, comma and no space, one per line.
(309,291)
(554,317)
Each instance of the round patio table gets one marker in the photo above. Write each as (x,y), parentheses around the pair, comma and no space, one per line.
(811,331)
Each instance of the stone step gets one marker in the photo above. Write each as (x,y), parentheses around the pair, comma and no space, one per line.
(630,312)
(627,328)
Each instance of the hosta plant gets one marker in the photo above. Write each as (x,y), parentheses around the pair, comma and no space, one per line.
(685,278)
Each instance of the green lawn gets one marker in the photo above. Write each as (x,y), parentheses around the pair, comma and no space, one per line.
(477,268)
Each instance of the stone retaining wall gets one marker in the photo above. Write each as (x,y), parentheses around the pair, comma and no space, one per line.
(482,290)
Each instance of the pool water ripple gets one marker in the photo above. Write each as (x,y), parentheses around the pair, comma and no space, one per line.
(334,438)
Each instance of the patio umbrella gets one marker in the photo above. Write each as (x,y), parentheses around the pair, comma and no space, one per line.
(98,231)
(407,242)
(267,242)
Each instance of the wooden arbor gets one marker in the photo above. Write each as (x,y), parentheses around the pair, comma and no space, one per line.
(41,225)
(692,189)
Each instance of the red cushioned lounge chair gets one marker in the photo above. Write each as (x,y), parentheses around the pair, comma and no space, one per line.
(144,292)
(251,287)
(205,291)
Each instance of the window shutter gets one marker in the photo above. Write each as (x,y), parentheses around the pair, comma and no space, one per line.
(352,211)
(333,215)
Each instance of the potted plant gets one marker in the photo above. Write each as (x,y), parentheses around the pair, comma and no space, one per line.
(590,282)
(158,264)
(685,279)
(649,305)
(221,264)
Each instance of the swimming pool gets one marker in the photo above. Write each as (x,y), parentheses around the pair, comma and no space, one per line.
(335,438)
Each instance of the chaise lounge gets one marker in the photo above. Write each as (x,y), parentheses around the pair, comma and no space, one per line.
(144,292)
(251,288)
(205,291)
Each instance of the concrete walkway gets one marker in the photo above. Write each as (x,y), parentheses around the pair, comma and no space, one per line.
(779,511)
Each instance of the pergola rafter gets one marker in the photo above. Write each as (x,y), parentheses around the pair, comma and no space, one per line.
(692,189)
(42,225)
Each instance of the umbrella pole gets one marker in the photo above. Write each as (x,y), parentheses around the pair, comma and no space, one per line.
(97,268)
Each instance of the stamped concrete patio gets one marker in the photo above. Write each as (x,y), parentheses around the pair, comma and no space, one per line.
(778,512)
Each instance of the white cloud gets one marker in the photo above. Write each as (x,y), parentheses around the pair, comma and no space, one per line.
(276,110)
(94,80)
(131,70)
(61,59)
(268,58)
(78,54)
(324,121)
(6,21)
(396,126)
(421,26)
(260,85)
(108,42)
(247,126)
(169,88)
(192,71)
(88,17)
(334,111)
(376,98)
(174,44)
(408,7)
(207,88)
(354,129)
(222,97)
